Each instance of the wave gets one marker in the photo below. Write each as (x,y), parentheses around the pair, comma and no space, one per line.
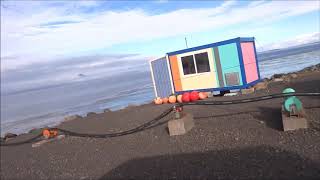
(278,53)
(125,93)
(15,87)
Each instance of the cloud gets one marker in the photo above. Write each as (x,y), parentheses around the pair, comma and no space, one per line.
(63,28)
(301,39)
(57,23)
(67,70)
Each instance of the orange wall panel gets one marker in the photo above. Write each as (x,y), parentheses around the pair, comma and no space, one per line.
(175,73)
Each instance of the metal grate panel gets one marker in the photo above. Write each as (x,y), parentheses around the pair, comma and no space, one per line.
(161,76)
(232,79)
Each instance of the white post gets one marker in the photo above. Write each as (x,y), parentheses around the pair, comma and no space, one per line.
(154,84)
(170,74)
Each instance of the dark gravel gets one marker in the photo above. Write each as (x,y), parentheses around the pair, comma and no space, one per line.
(241,141)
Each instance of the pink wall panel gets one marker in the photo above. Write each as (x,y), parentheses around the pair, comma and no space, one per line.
(249,61)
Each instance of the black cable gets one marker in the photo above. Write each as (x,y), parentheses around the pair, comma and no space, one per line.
(247,100)
(131,131)
(70,133)
(165,113)
(22,142)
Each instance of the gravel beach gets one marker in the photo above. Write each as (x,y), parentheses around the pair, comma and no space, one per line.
(240,141)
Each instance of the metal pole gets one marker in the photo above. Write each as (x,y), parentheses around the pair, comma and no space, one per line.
(186,41)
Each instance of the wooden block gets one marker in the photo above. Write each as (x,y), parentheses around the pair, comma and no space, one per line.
(293,122)
(181,126)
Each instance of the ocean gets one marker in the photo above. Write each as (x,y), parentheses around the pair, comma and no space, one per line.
(43,94)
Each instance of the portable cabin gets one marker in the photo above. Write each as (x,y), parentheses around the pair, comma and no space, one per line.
(220,66)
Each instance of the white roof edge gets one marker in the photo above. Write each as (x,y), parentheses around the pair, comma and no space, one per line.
(157,58)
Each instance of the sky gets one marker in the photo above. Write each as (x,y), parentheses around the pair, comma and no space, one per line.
(34,32)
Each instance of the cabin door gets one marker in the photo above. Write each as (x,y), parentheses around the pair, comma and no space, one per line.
(228,65)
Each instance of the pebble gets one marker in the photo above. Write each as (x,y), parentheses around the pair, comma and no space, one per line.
(91,114)
(276,76)
(294,75)
(107,110)
(261,85)
(278,79)
(70,118)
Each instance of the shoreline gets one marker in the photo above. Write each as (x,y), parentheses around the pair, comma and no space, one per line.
(229,142)
(285,76)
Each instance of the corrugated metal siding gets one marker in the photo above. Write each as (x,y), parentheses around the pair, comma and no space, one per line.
(161,76)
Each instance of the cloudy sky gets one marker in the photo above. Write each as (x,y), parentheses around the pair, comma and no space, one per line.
(44,31)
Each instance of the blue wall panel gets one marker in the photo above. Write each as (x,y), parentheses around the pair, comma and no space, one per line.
(161,76)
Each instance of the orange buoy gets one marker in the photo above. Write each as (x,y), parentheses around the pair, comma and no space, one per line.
(194,96)
(158,100)
(186,97)
(165,100)
(54,133)
(49,133)
(46,133)
(172,99)
(179,98)
(203,95)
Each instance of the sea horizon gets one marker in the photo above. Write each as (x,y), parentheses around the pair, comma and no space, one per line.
(48,104)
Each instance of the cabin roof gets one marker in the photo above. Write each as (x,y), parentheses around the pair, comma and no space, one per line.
(238,39)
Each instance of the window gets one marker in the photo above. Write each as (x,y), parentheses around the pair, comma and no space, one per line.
(202,62)
(188,65)
(197,63)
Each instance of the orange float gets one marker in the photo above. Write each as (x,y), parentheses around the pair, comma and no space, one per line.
(49,133)
(194,96)
(172,99)
(158,100)
(46,133)
(179,98)
(165,100)
(203,95)
(186,97)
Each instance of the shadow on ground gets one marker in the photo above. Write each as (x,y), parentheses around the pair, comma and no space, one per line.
(271,116)
(248,163)
(224,115)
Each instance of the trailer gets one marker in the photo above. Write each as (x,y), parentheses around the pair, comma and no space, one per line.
(220,66)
